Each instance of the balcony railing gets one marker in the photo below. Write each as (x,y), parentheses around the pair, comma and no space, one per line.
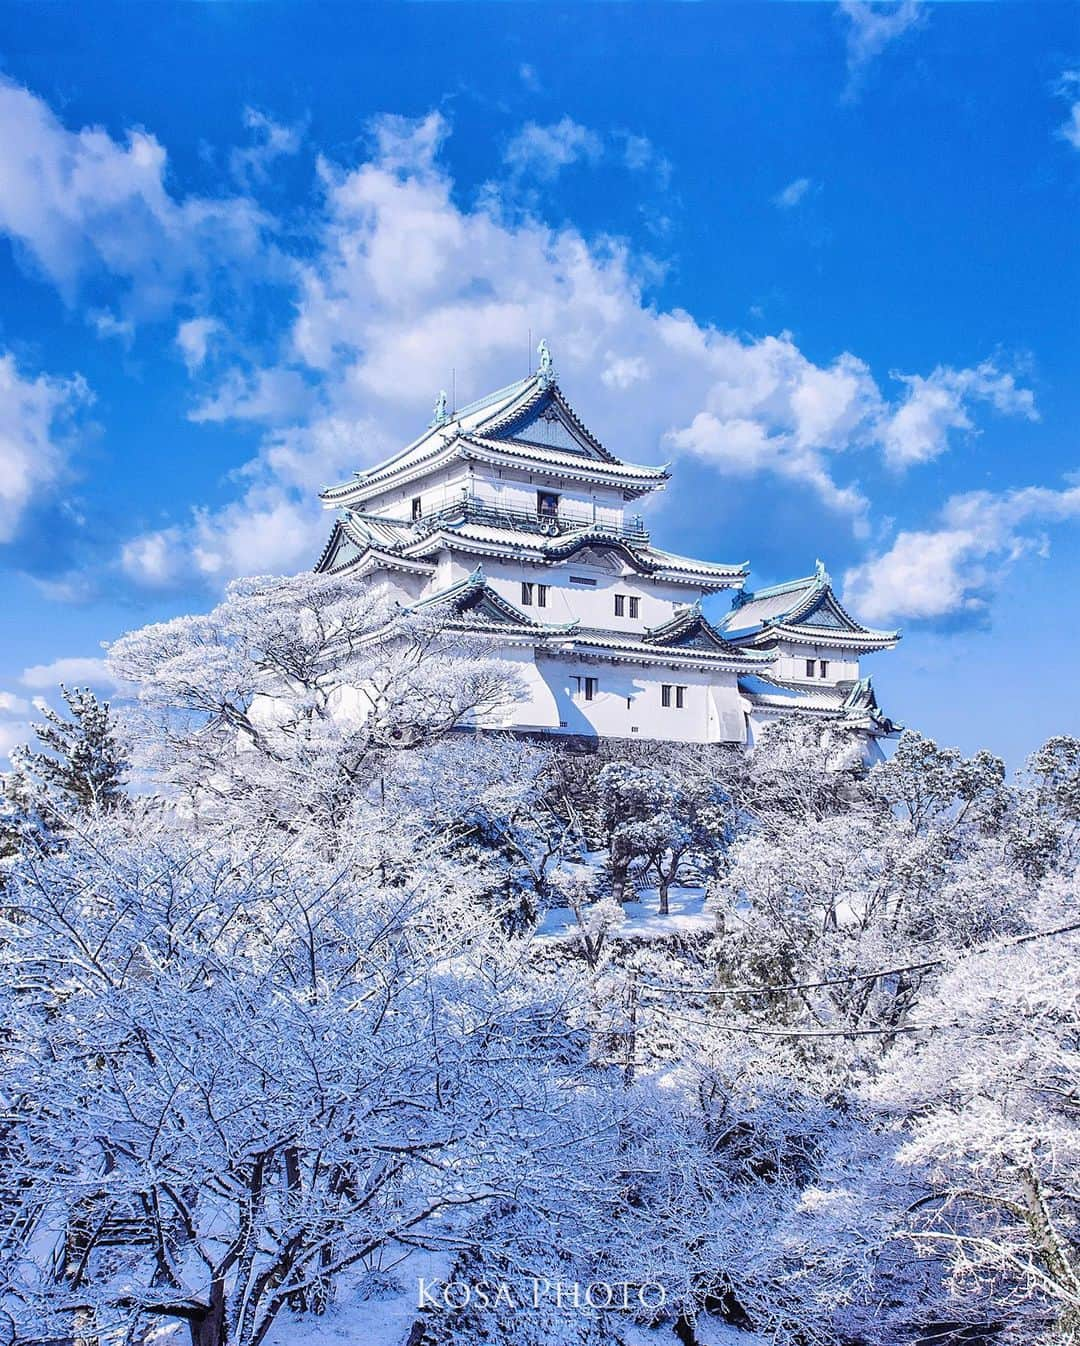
(548,524)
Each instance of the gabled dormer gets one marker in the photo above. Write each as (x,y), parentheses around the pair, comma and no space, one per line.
(801,612)
(527,431)
(689,629)
(479,605)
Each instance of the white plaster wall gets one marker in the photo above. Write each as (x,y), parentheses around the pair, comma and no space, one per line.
(536,706)
(628,701)
(443,487)
(791,663)
(502,489)
(517,491)
(590,604)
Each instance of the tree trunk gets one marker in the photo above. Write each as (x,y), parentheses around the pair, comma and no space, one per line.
(209,1328)
(665,885)
(1056,1254)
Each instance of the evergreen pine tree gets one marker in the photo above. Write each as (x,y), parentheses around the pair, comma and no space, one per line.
(82,764)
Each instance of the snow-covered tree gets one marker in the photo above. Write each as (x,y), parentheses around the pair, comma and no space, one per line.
(292,692)
(78,768)
(235,1072)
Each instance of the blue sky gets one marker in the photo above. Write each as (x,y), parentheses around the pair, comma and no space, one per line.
(821,257)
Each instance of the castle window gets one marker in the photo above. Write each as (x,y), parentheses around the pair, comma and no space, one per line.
(586,687)
(635,606)
(824,668)
(541,595)
(526,595)
(665,694)
(620,605)
(547,504)
(680,698)
(582,579)
(810,667)
(417,509)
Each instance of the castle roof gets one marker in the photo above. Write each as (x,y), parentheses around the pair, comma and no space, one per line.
(482,531)
(529,424)
(687,640)
(804,611)
(854,704)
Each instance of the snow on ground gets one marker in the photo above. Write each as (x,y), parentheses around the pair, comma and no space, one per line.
(711,1333)
(689,914)
(375,1320)
(707,1331)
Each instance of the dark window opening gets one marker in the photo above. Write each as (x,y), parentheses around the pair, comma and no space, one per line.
(541,595)
(620,605)
(590,689)
(547,504)
(582,579)
(810,665)
(680,697)
(526,595)
(824,667)
(417,509)
(635,605)
(665,694)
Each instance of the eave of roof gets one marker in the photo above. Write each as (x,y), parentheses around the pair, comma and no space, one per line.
(509,544)
(745,625)
(835,637)
(480,423)
(853,704)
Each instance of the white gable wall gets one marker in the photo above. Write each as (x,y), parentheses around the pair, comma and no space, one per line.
(628,701)
(590,604)
(792,657)
(446,486)
(504,488)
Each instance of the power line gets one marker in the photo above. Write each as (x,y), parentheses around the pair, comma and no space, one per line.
(728,991)
(810,1032)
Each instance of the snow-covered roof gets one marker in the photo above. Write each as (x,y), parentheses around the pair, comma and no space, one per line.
(689,629)
(456,529)
(853,703)
(529,422)
(806,611)
(480,606)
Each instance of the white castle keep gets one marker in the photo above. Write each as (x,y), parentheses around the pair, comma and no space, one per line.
(513,515)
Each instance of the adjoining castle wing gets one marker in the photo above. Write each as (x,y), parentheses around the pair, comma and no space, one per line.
(805,611)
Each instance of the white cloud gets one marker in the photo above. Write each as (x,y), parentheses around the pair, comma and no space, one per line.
(1069,87)
(272,140)
(79,201)
(71,672)
(269,395)
(154,559)
(405,285)
(13,734)
(952,570)
(640,155)
(870,30)
(918,430)
(193,337)
(35,416)
(107,324)
(528,76)
(792,194)
(10,704)
(771,409)
(545,150)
